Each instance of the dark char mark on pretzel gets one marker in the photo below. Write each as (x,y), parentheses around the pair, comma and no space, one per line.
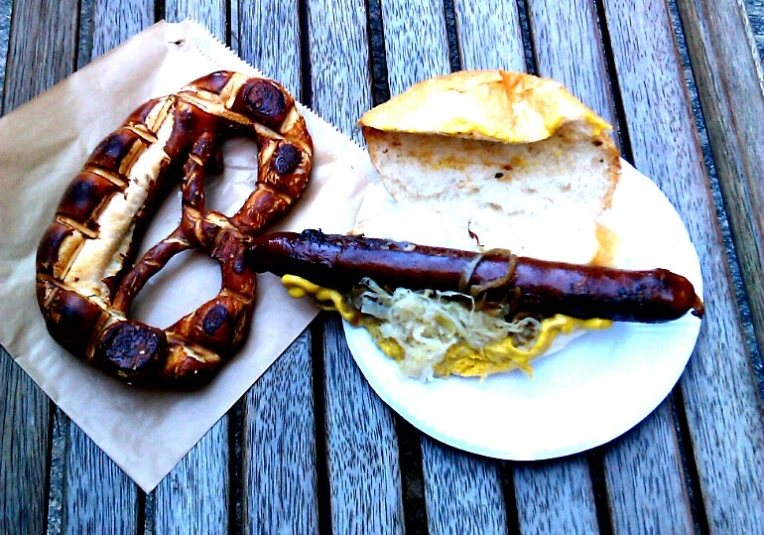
(86,280)
(546,288)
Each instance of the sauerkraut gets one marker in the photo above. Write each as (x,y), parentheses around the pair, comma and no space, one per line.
(426,324)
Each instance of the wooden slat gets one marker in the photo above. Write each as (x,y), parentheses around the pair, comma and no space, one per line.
(721,404)
(194,497)
(643,469)
(363,463)
(494,18)
(462,491)
(209,13)
(270,40)
(728,73)
(414,55)
(279,454)
(98,497)
(553,494)
(5,33)
(755,9)
(32,66)
(362,452)
(114,22)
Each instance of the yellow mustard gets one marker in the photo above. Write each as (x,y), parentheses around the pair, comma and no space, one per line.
(460,359)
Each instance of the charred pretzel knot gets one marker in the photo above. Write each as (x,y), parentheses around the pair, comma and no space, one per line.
(85,280)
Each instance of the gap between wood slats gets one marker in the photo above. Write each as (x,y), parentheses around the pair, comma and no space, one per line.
(527,34)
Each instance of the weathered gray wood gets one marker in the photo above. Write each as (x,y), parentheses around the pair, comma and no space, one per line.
(5,33)
(755,10)
(414,54)
(194,497)
(562,31)
(272,42)
(98,497)
(114,22)
(210,13)
(555,496)
(279,455)
(721,404)
(644,478)
(363,465)
(727,69)
(499,20)
(32,66)
(339,59)
(362,452)
(463,492)
(643,469)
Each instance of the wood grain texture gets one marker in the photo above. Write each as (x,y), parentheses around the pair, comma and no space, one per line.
(33,65)
(114,22)
(727,71)
(98,497)
(339,58)
(755,9)
(279,454)
(721,403)
(643,472)
(463,492)
(644,478)
(555,496)
(489,35)
(414,54)
(5,34)
(270,40)
(194,497)
(566,30)
(362,450)
(210,13)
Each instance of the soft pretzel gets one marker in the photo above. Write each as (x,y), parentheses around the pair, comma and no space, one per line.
(85,281)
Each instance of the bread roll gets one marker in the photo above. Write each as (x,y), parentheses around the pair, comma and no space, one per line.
(494,159)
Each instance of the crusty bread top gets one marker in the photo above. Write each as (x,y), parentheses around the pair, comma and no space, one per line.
(489,105)
(511,160)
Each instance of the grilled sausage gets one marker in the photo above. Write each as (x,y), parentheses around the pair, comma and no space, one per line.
(85,282)
(545,288)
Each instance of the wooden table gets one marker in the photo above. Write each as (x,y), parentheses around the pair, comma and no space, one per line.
(310,448)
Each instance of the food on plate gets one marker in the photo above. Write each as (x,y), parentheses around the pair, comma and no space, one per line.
(442,311)
(495,159)
(511,176)
(86,281)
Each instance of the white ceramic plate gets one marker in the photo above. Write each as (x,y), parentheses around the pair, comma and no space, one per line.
(599,386)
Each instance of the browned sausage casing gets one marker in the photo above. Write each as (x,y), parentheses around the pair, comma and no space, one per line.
(546,288)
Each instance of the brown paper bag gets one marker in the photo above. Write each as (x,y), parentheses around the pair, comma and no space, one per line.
(44,143)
